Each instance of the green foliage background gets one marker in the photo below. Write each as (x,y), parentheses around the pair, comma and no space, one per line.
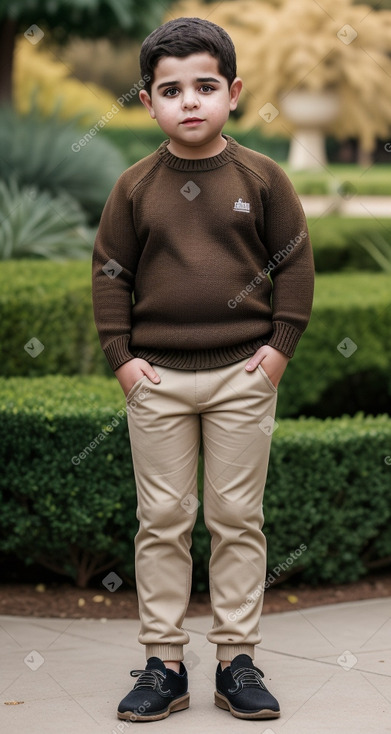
(328,486)
(329,480)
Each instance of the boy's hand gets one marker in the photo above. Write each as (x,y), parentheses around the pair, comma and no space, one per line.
(130,372)
(273,362)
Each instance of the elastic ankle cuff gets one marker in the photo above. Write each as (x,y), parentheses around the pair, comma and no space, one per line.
(164,652)
(229,652)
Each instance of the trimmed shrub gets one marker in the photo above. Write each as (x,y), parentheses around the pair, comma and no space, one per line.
(72,517)
(342,362)
(379,248)
(37,151)
(68,496)
(339,179)
(329,487)
(37,224)
(340,243)
(48,303)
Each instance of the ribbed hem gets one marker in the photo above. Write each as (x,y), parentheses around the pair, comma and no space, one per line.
(164,652)
(198,164)
(229,652)
(285,338)
(199,359)
(117,352)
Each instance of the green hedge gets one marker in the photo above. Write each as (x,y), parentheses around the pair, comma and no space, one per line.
(328,487)
(336,241)
(341,178)
(351,316)
(52,302)
(49,302)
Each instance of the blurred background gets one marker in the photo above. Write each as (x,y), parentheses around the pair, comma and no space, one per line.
(315,99)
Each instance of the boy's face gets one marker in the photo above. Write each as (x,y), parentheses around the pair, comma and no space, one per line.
(191,102)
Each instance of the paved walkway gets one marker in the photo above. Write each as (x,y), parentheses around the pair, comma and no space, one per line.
(330,668)
(348,206)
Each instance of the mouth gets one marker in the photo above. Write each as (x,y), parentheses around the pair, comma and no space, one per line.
(190,121)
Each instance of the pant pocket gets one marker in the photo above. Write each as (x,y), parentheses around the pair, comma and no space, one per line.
(267,378)
(135,387)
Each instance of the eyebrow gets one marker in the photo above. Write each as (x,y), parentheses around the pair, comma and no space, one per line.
(200,79)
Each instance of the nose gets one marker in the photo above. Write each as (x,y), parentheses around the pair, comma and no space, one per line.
(190,100)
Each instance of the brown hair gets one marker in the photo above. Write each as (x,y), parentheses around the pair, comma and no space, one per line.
(182,37)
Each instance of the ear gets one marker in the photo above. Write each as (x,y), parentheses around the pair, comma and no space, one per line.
(234,92)
(147,102)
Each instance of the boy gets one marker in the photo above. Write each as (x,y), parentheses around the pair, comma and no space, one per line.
(192,232)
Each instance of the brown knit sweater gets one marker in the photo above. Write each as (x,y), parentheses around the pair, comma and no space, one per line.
(182,256)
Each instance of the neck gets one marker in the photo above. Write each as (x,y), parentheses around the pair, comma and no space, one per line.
(207,150)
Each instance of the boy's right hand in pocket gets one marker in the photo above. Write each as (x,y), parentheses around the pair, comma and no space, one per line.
(130,372)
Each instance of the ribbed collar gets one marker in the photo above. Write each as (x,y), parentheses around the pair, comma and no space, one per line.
(199,164)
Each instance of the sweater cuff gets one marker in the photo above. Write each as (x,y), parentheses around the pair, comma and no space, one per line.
(285,338)
(117,352)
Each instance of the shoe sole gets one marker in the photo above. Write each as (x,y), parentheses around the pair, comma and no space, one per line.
(179,704)
(223,703)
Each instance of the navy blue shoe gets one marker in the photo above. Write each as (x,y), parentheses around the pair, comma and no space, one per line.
(241,690)
(158,692)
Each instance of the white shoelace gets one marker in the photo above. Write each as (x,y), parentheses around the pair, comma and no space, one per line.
(247,678)
(150,679)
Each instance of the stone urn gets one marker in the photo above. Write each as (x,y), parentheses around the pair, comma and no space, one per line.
(310,112)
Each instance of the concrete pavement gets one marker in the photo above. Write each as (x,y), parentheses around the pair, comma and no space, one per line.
(350,206)
(329,667)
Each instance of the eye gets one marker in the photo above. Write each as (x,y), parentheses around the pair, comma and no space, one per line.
(170,92)
(206,88)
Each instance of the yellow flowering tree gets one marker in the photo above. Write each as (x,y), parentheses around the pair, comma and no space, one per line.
(40,78)
(285,47)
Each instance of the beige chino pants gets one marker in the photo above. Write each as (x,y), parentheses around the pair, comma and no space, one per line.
(232,411)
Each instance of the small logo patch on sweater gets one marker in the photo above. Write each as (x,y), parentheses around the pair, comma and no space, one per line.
(241,206)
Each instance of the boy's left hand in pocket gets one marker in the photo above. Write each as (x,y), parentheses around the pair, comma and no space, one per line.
(273,362)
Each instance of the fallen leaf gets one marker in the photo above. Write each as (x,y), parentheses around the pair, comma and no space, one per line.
(98,598)
(40,588)
(292,598)
(13,703)
(81,602)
